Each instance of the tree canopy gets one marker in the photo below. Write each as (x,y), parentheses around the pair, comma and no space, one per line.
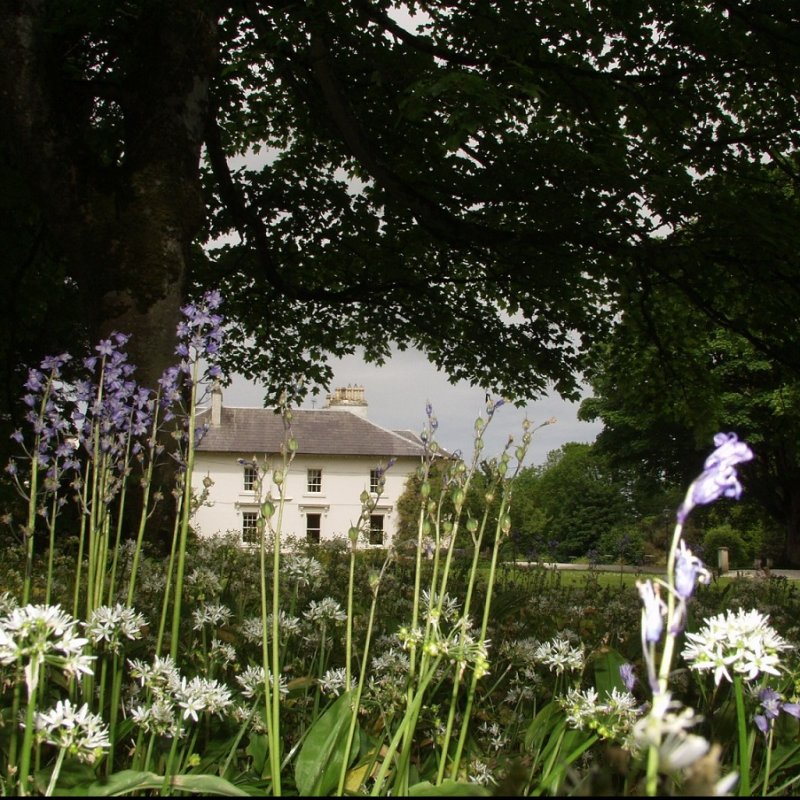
(489,187)
(669,378)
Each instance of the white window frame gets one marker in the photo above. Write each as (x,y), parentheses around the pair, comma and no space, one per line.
(249,478)
(317,530)
(314,480)
(250,527)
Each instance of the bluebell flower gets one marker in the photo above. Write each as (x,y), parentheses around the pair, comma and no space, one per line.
(719,477)
(772,704)
(654,610)
(628,675)
(689,570)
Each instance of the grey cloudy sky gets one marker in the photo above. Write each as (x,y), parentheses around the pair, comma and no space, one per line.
(398,392)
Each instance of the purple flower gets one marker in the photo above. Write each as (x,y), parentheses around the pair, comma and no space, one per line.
(771,706)
(654,610)
(628,675)
(719,477)
(689,570)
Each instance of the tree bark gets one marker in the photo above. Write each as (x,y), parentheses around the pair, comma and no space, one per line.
(124,222)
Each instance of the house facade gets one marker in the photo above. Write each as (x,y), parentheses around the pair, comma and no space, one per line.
(340,454)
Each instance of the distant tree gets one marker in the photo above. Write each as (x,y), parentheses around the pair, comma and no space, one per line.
(668,379)
(440,504)
(569,503)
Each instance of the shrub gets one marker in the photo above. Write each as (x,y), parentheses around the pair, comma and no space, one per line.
(740,556)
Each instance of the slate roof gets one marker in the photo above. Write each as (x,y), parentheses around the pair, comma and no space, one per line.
(318,432)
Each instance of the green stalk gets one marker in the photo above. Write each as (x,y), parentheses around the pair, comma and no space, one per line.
(27,737)
(349,628)
(401,731)
(503,526)
(361,679)
(51,526)
(186,509)
(168,583)
(768,761)
(56,771)
(147,484)
(744,745)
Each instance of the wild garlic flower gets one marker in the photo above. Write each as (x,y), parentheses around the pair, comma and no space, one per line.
(560,656)
(301,570)
(252,630)
(222,652)
(333,681)
(523,686)
(157,716)
(496,739)
(252,678)
(76,730)
(479,773)
(201,694)
(110,624)
(450,607)
(211,614)
(7,603)
(287,625)
(37,635)
(161,677)
(742,642)
(326,610)
(612,718)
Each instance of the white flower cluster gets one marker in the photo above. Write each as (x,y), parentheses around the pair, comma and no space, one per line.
(326,610)
(76,730)
(210,614)
(252,681)
(333,681)
(36,635)
(612,718)
(430,607)
(169,694)
(560,656)
(740,641)
(301,570)
(110,624)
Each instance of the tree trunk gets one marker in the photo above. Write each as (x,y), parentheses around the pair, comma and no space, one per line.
(123,222)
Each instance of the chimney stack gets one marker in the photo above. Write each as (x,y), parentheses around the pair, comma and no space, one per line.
(348,398)
(216,404)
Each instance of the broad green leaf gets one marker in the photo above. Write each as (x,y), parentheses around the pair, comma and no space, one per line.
(257,749)
(606,672)
(550,717)
(130,780)
(320,759)
(448,788)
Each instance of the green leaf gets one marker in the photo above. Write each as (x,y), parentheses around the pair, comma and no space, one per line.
(606,672)
(448,788)
(131,780)
(257,749)
(547,720)
(319,762)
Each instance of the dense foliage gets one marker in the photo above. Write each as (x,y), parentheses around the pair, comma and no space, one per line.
(481,186)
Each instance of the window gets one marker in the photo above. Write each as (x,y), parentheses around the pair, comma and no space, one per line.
(376,528)
(375,480)
(315,481)
(313,527)
(250,477)
(249,526)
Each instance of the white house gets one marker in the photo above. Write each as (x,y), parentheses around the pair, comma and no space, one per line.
(340,455)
